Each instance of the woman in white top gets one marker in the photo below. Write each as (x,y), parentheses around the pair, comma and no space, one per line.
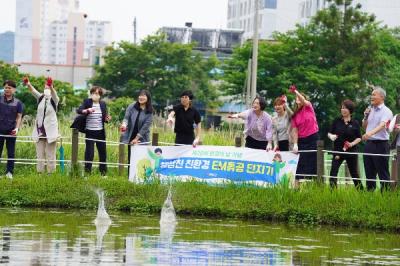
(96,114)
(281,124)
(45,131)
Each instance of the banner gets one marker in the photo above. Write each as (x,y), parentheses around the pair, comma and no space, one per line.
(213,164)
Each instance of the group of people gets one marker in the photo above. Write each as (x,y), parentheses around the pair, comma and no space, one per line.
(91,119)
(288,130)
(297,131)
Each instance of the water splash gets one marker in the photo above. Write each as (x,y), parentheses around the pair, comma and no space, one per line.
(168,216)
(102,220)
(102,215)
(102,223)
(168,219)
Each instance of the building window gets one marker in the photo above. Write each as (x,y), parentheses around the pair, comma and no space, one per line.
(271,4)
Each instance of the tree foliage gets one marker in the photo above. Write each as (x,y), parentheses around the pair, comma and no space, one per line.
(165,68)
(334,57)
(69,99)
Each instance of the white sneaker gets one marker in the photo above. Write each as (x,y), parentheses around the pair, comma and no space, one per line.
(9,175)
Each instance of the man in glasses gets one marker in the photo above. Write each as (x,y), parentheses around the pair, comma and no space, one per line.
(10,119)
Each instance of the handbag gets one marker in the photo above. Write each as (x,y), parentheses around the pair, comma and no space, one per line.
(79,123)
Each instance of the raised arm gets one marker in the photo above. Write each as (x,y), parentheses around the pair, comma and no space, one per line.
(32,89)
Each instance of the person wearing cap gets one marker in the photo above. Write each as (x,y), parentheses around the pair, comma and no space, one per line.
(10,120)
(258,125)
(45,131)
(345,133)
(376,136)
(187,120)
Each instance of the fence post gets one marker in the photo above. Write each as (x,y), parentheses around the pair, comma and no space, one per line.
(238,141)
(154,139)
(320,161)
(74,151)
(121,157)
(397,176)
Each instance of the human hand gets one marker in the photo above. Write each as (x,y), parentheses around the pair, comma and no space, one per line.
(25,80)
(295,148)
(196,142)
(347,145)
(269,147)
(170,121)
(284,99)
(14,132)
(49,82)
(293,88)
(366,112)
(366,136)
(332,137)
(135,141)
(123,128)
(276,148)
(108,118)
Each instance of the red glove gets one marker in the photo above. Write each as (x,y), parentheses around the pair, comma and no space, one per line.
(346,145)
(292,88)
(49,82)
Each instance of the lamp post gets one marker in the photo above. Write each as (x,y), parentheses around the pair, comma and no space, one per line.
(255,53)
(74,50)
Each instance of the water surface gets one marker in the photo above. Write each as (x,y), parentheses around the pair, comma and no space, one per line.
(54,237)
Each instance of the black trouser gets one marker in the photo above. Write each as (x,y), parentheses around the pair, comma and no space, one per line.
(255,144)
(307,164)
(377,164)
(352,163)
(10,145)
(101,148)
(186,139)
(283,145)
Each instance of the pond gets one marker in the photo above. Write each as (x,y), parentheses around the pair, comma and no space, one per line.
(63,237)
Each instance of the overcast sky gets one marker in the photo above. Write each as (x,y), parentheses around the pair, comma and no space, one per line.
(150,14)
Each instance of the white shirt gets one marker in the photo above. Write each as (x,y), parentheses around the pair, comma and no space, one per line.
(94,120)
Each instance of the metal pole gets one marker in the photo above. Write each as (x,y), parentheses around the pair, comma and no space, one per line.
(74,54)
(255,53)
(320,161)
(248,85)
(121,157)
(134,30)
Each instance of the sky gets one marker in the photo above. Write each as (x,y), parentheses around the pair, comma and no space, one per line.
(150,14)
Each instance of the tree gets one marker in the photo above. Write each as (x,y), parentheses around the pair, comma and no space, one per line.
(68,98)
(165,68)
(332,58)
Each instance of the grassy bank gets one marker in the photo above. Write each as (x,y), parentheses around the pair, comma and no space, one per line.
(311,204)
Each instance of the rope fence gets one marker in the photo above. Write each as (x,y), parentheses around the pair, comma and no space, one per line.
(76,141)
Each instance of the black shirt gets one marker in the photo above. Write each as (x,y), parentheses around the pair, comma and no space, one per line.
(346,132)
(185,121)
